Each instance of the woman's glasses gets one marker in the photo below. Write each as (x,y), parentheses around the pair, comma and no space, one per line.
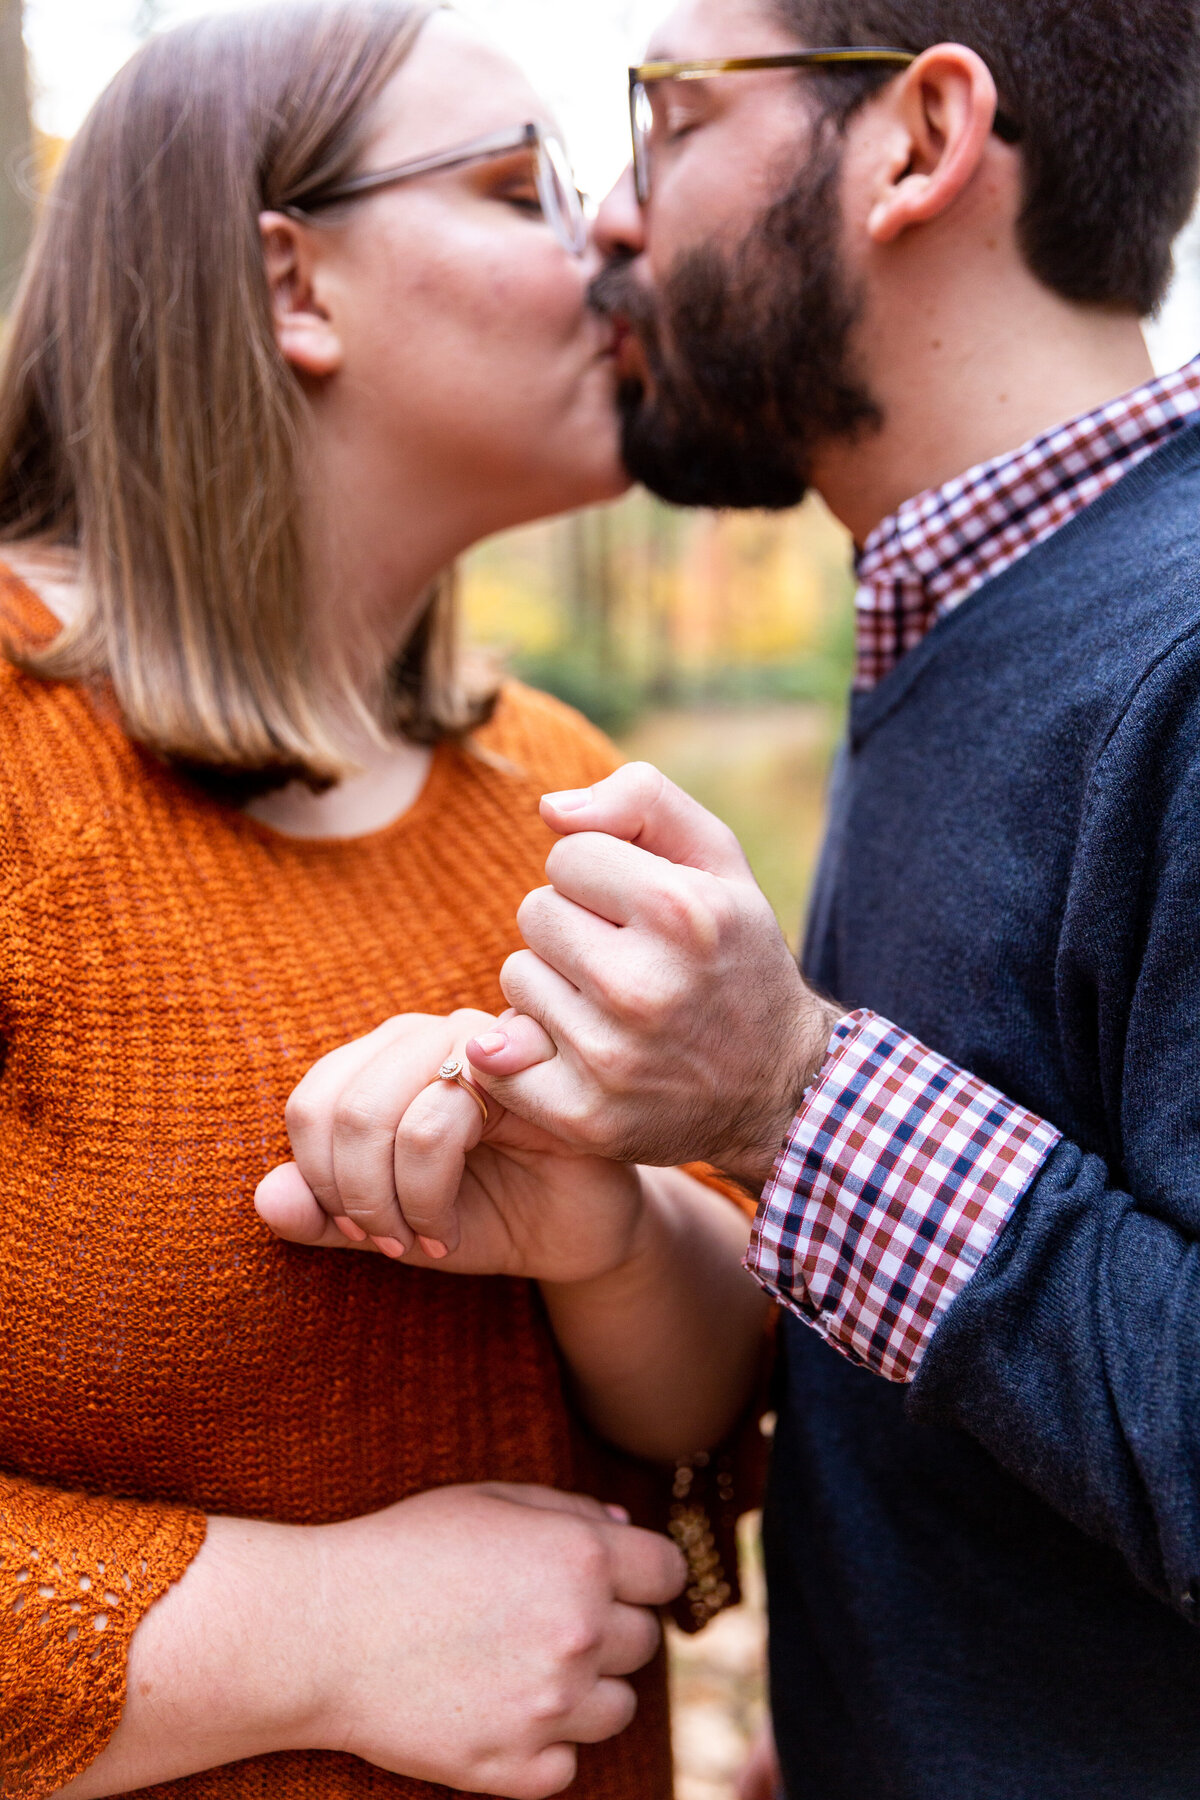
(560,200)
(648,115)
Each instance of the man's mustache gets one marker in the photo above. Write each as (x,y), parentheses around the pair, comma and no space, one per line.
(617,293)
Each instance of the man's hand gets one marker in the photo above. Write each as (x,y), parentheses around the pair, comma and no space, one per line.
(662,1018)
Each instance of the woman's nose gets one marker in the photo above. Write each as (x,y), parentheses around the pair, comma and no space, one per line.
(619,229)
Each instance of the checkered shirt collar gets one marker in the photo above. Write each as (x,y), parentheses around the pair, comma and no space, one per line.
(940,547)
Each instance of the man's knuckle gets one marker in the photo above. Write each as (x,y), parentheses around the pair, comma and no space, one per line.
(644,780)
(650,1002)
(611,988)
(532,907)
(603,1056)
(727,909)
(515,973)
(582,1126)
(685,912)
(560,862)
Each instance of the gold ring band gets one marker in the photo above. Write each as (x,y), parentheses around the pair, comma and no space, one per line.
(456,1070)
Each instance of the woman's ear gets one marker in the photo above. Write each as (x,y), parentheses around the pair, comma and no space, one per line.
(304,330)
(943,111)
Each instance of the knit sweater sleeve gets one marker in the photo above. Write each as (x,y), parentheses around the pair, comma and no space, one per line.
(1073,1355)
(78,1570)
(78,1573)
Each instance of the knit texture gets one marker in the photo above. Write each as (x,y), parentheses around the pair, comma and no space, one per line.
(987,1587)
(169,969)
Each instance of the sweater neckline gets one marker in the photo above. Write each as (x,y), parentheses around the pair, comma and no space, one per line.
(45,624)
(437,781)
(871,708)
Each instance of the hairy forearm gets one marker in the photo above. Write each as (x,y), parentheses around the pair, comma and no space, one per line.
(220,1667)
(664,1350)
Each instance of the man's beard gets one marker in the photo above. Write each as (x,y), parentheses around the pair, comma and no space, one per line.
(749,357)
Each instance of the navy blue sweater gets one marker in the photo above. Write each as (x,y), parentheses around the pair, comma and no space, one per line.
(988,1585)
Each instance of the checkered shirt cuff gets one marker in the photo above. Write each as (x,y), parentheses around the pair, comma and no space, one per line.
(900,1172)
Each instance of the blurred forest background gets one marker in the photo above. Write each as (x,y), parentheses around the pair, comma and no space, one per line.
(716,646)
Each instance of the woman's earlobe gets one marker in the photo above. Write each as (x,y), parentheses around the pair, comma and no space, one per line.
(308,341)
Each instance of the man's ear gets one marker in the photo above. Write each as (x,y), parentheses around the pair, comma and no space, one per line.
(943,110)
(304,330)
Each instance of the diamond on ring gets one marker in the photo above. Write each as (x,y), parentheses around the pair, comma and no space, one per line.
(455,1069)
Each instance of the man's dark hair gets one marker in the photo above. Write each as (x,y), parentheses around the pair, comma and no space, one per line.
(1106,94)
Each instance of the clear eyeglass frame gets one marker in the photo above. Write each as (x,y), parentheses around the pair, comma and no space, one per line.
(563,206)
(645,76)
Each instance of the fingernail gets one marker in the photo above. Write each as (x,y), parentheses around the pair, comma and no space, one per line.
(571,800)
(618,1513)
(491,1043)
(350,1230)
(431,1247)
(391,1247)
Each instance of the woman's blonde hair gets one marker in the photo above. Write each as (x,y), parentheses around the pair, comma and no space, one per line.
(149,421)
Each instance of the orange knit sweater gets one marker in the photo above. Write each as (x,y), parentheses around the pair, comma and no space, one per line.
(168,970)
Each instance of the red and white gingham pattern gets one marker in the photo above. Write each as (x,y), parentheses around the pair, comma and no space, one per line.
(938,548)
(900,1173)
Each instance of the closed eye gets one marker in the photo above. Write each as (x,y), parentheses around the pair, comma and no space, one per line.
(679,122)
(525,200)
(513,181)
(679,109)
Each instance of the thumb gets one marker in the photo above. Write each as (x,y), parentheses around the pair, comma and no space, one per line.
(515,1043)
(641,806)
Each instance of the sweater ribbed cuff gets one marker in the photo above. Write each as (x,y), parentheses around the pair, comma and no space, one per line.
(899,1174)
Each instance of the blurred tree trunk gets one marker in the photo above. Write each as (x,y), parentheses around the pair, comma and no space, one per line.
(591,585)
(16,150)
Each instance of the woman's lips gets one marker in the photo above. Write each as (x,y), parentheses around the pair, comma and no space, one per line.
(627,352)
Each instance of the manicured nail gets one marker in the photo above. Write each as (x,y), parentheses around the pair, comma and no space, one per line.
(391,1247)
(491,1043)
(431,1247)
(571,800)
(350,1230)
(618,1513)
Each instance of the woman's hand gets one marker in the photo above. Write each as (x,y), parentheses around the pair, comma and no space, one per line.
(640,1270)
(471,1637)
(410,1168)
(484,1632)
(761,1778)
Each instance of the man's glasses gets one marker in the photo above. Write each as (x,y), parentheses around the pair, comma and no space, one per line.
(646,113)
(561,203)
